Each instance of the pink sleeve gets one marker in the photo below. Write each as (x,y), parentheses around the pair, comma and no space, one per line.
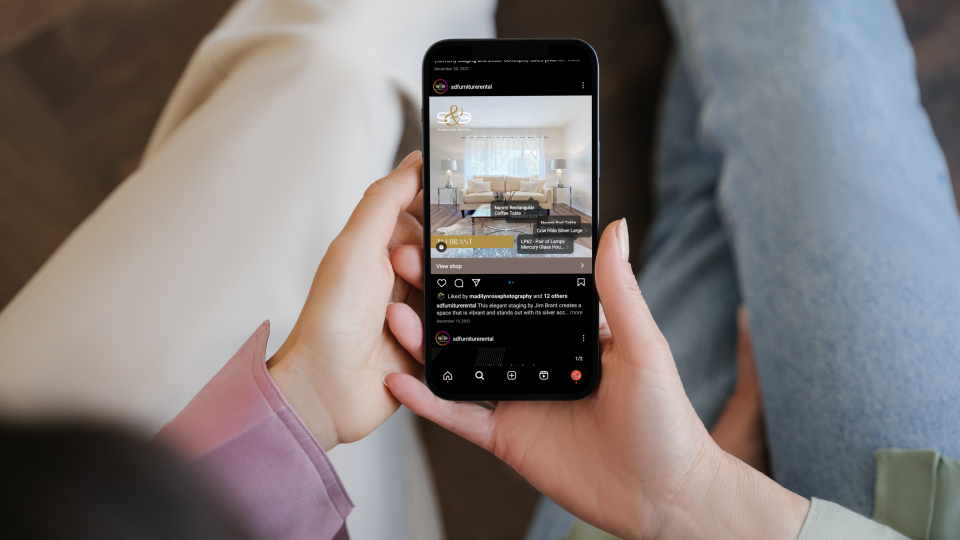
(241,432)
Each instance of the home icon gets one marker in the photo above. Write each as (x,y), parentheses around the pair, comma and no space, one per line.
(447,376)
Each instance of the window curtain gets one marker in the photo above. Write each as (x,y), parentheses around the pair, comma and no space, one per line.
(511,156)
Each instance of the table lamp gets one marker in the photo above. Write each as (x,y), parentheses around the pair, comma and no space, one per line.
(558,165)
(448,165)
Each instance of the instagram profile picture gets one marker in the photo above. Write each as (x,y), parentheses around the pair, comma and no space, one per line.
(442,338)
(440,86)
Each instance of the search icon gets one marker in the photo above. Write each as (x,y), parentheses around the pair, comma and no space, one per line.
(479,375)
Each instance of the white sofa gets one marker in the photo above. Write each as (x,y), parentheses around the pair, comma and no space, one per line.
(471,201)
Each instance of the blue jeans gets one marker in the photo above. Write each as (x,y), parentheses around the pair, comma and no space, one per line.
(798,174)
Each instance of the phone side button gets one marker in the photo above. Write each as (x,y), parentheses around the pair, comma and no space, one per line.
(423,170)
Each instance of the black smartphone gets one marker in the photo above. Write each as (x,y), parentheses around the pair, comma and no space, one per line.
(511,196)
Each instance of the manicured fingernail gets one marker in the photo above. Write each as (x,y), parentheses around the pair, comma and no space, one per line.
(623,238)
(409,160)
(384,379)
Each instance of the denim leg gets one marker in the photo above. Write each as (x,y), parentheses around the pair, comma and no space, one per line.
(550,522)
(688,280)
(845,235)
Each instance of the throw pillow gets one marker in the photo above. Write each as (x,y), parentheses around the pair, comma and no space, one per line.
(496,181)
(540,185)
(529,187)
(481,187)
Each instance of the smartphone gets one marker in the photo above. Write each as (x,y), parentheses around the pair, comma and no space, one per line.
(511,195)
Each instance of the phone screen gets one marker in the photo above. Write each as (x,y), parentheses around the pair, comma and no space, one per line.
(511,170)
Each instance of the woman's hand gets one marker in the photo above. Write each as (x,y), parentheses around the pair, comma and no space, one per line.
(632,458)
(330,369)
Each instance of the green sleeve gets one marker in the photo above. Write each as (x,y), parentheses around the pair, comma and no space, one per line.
(825,521)
(829,521)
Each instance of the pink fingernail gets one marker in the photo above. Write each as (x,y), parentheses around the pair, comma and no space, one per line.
(623,239)
(408,161)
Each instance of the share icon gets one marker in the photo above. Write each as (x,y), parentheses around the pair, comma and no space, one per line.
(476,281)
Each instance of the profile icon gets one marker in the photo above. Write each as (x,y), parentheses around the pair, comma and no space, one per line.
(442,338)
(441,297)
(440,86)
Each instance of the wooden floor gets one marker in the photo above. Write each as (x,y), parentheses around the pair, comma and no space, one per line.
(442,215)
(445,215)
(83,81)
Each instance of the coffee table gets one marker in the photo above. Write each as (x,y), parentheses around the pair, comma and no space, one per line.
(482,213)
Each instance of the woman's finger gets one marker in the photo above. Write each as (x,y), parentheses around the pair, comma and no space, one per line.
(374,220)
(416,209)
(414,299)
(407,231)
(472,422)
(397,358)
(408,263)
(410,160)
(407,328)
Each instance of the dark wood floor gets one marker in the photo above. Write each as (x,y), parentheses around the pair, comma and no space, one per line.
(442,215)
(81,84)
(83,81)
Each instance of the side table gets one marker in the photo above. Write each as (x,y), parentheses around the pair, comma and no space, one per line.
(556,198)
(453,196)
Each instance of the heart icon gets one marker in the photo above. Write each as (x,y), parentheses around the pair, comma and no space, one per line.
(441,282)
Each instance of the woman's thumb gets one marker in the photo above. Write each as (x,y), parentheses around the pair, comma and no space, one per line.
(627,314)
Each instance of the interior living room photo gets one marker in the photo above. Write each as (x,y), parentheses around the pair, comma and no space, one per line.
(486,149)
